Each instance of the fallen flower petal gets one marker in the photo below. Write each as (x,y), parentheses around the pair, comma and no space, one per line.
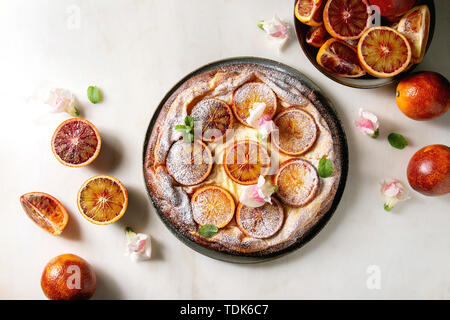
(62,100)
(393,191)
(368,124)
(276,29)
(138,246)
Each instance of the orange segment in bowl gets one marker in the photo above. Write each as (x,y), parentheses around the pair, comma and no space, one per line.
(415,26)
(189,163)
(262,222)
(245,97)
(212,205)
(316,36)
(309,12)
(384,52)
(102,199)
(215,117)
(346,19)
(46,211)
(297,131)
(245,160)
(340,58)
(297,181)
(76,142)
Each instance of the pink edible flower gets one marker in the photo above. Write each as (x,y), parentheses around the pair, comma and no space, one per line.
(138,245)
(258,194)
(393,191)
(368,123)
(62,100)
(276,29)
(265,127)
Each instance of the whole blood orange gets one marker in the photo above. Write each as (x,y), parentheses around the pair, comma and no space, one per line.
(393,9)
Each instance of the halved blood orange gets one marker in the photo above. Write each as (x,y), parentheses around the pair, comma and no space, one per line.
(262,222)
(215,117)
(316,36)
(46,211)
(212,205)
(189,163)
(102,199)
(384,52)
(297,181)
(76,142)
(309,12)
(415,26)
(245,160)
(340,58)
(245,97)
(297,131)
(346,19)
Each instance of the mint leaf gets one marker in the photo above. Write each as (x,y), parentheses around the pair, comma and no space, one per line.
(189,121)
(397,140)
(188,137)
(208,230)
(325,168)
(94,94)
(182,128)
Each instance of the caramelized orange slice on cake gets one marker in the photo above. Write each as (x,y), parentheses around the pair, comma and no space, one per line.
(189,163)
(76,142)
(297,131)
(212,205)
(102,200)
(297,181)
(46,211)
(262,222)
(215,117)
(248,96)
(245,160)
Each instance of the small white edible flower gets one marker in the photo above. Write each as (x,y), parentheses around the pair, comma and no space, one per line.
(256,113)
(368,123)
(257,195)
(265,127)
(276,29)
(138,245)
(62,100)
(393,191)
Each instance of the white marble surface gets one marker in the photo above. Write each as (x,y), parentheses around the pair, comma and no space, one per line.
(135,51)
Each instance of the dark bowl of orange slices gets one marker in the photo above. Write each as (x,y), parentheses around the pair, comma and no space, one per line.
(336,48)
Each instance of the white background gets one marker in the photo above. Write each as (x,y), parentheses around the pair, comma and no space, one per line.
(135,51)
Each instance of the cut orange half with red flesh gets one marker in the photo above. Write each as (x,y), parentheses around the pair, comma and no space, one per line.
(246,96)
(297,131)
(189,163)
(340,58)
(384,52)
(415,26)
(46,211)
(102,200)
(262,222)
(245,160)
(297,181)
(215,117)
(212,205)
(76,142)
(309,12)
(346,19)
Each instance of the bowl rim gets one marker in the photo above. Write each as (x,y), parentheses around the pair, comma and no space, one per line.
(306,48)
(341,136)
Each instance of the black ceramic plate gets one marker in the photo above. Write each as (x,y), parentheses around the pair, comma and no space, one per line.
(332,121)
(367,81)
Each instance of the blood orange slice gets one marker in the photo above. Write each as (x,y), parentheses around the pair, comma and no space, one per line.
(297,131)
(262,222)
(340,58)
(189,163)
(102,199)
(384,52)
(245,160)
(346,19)
(309,12)
(215,117)
(316,36)
(76,142)
(46,211)
(415,26)
(297,181)
(212,205)
(246,96)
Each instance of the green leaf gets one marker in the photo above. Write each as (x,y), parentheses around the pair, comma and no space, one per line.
(397,141)
(94,94)
(182,128)
(189,121)
(325,168)
(260,24)
(387,207)
(188,137)
(208,230)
